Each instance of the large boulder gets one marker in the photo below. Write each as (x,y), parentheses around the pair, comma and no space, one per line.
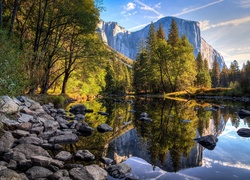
(8,174)
(208,141)
(91,172)
(78,109)
(6,142)
(244,132)
(118,170)
(104,128)
(37,172)
(8,105)
(84,155)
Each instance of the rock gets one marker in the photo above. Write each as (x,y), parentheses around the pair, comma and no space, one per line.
(144,114)
(104,128)
(6,142)
(11,124)
(37,129)
(244,132)
(30,150)
(30,140)
(208,141)
(8,174)
(25,126)
(84,155)
(51,125)
(46,161)
(79,117)
(61,174)
(84,129)
(118,170)
(78,109)
(12,165)
(8,105)
(36,172)
(91,172)
(71,166)
(66,138)
(20,133)
(103,113)
(130,176)
(244,113)
(107,161)
(25,118)
(63,156)
(146,119)
(185,121)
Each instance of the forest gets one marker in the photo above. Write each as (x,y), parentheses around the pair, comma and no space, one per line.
(53,47)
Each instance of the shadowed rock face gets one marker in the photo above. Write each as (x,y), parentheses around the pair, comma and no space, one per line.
(128,43)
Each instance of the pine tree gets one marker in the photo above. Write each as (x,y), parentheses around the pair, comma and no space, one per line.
(224,77)
(173,36)
(215,73)
(160,33)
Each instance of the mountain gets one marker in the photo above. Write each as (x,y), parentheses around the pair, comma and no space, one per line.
(127,43)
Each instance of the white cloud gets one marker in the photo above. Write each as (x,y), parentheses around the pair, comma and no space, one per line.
(205,24)
(245,3)
(148,8)
(188,10)
(130,6)
(157,6)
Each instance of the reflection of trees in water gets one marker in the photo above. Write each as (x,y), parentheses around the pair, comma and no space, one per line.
(167,132)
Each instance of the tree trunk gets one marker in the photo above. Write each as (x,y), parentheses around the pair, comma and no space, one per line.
(14,13)
(1,13)
(65,81)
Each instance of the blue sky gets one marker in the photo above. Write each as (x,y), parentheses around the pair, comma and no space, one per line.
(225,24)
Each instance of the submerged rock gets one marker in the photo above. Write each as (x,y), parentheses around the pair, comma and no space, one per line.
(244,132)
(208,141)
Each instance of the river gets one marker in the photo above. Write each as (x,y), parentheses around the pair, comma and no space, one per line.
(165,148)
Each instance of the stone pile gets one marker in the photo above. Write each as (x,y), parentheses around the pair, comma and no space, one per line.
(33,130)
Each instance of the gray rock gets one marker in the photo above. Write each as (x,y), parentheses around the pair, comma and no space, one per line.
(20,133)
(84,128)
(244,132)
(12,165)
(30,150)
(8,174)
(79,117)
(63,156)
(92,172)
(84,155)
(38,172)
(78,109)
(104,128)
(6,142)
(8,122)
(118,170)
(46,161)
(31,140)
(107,161)
(50,125)
(66,138)
(208,141)
(8,105)
(37,130)
(61,174)
(25,126)
(25,118)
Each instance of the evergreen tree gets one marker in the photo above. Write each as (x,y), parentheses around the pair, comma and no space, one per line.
(245,78)
(160,33)
(215,73)
(203,78)
(234,71)
(173,36)
(224,77)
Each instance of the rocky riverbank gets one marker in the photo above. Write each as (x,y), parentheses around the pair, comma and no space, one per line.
(32,130)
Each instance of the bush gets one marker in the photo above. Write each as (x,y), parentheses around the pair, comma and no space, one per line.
(13,74)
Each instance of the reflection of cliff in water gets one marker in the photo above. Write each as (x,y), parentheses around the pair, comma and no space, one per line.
(132,143)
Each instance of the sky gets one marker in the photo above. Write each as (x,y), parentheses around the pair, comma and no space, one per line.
(225,24)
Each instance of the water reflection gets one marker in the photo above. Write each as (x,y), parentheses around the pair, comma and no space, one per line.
(168,141)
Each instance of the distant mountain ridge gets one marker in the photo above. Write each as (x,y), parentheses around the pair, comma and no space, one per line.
(127,43)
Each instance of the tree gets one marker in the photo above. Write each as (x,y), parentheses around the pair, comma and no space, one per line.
(234,71)
(215,73)
(160,33)
(224,77)
(173,36)
(1,14)
(203,78)
(245,78)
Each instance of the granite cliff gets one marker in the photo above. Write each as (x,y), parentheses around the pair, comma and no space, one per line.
(128,43)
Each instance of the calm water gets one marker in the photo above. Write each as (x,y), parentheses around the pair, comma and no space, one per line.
(164,148)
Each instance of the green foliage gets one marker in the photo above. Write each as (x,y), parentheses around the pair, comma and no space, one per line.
(13,74)
(215,73)
(203,78)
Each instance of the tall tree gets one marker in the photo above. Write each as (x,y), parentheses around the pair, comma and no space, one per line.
(173,36)
(215,73)
(224,77)
(160,33)
(14,13)
(234,71)
(1,13)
